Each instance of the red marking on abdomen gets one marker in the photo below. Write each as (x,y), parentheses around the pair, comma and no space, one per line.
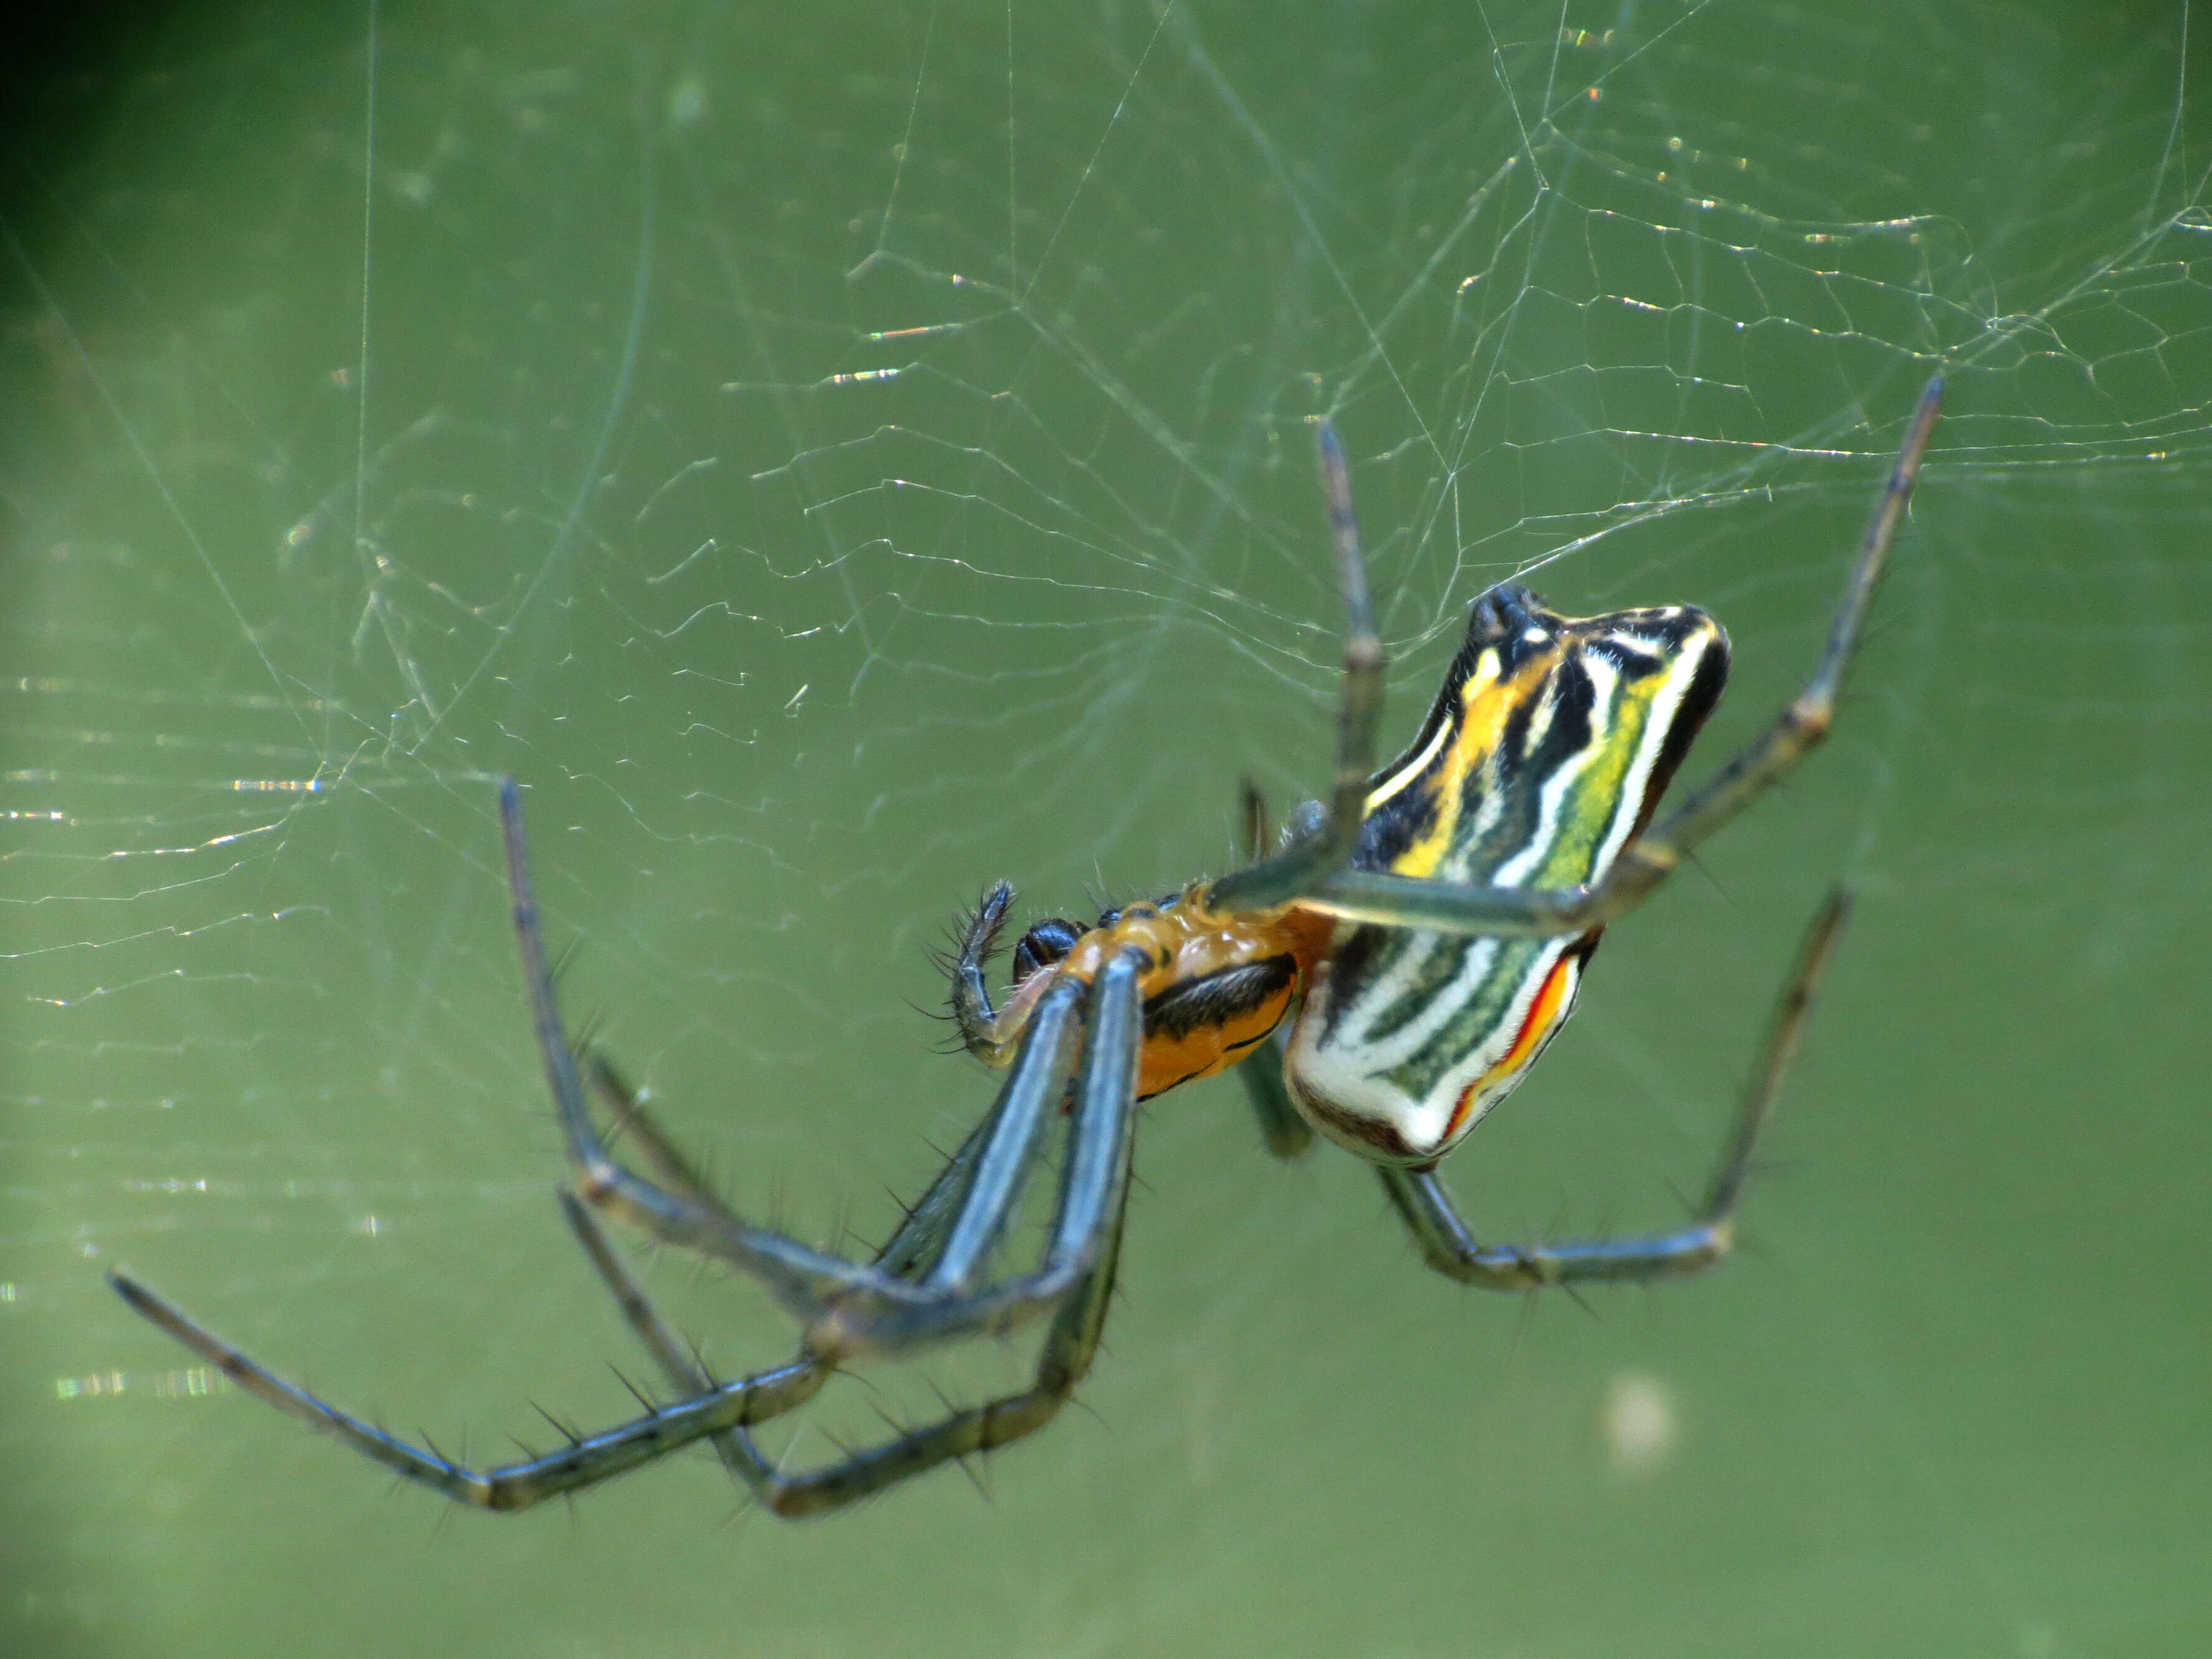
(1543,1015)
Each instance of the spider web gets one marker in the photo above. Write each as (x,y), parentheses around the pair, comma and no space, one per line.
(836,464)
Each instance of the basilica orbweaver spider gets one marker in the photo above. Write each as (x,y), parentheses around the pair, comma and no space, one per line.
(1430,923)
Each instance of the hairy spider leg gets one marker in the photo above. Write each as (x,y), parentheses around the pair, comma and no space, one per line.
(1070,1344)
(715,1411)
(988,1033)
(913,1244)
(848,1310)
(912,1249)
(684,1367)
(946,1237)
(948,1234)
(584,1463)
(1310,859)
(1447,1245)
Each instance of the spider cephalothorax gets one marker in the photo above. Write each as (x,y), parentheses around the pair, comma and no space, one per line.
(1212,985)
(1423,927)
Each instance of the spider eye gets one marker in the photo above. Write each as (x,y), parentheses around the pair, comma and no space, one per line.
(1044,944)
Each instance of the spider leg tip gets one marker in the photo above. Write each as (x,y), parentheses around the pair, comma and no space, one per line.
(141,1300)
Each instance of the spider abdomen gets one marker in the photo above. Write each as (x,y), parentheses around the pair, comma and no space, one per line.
(1545,751)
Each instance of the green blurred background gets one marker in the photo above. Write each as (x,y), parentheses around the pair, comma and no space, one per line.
(835,458)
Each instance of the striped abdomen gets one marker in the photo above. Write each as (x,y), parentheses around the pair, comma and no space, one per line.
(1546,748)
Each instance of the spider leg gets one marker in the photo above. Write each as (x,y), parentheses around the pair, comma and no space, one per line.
(1308,860)
(906,1252)
(1259,827)
(1069,1348)
(942,1303)
(916,1244)
(847,1307)
(802,1279)
(517,1486)
(684,1370)
(1287,1134)
(914,1248)
(1447,1245)
(1372,896)
(970,999)
(1070,1343)
(632,1119)
(949,1212)
(714,1410)
(687,1374)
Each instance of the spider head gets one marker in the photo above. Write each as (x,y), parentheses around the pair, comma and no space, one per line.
(1050,941)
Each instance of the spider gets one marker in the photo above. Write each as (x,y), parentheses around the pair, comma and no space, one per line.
(1429,922)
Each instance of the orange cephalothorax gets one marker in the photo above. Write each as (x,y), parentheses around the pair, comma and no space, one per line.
(1214,986)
